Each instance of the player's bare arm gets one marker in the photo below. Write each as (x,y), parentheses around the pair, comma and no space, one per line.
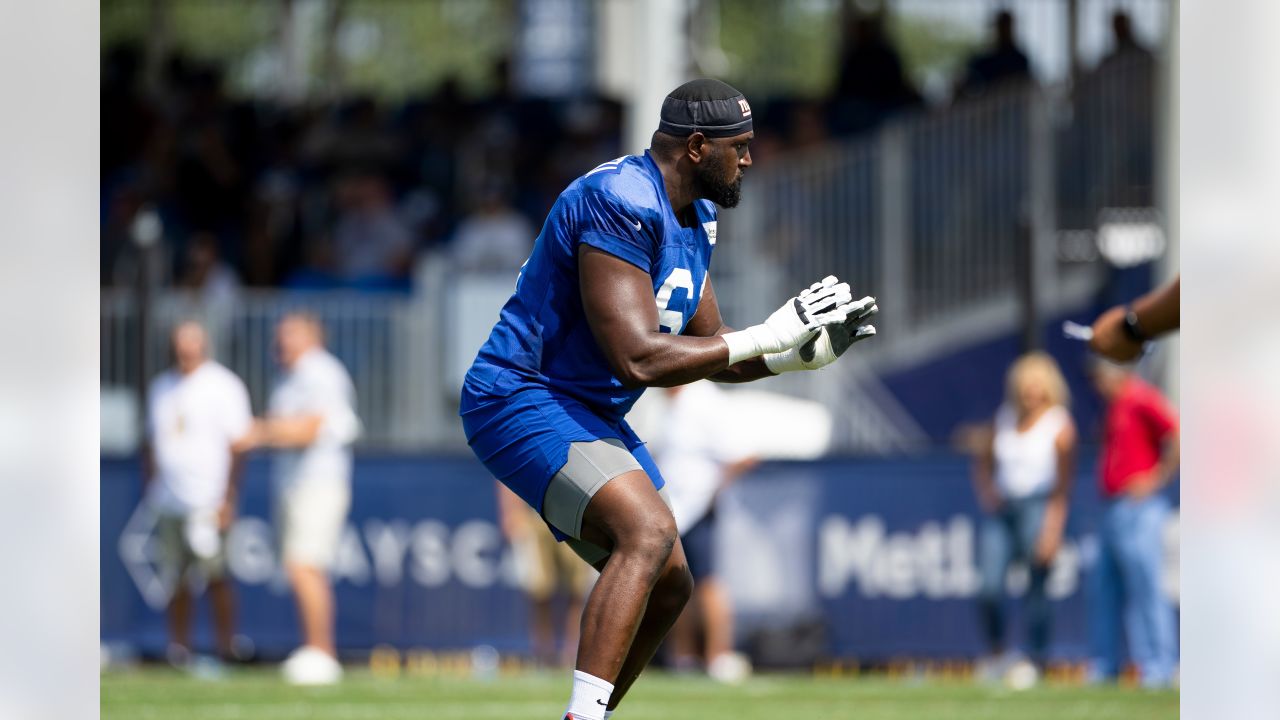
(1120,332)
(288,432)
(618,300)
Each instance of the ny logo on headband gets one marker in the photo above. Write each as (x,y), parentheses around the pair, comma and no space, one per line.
(746,109)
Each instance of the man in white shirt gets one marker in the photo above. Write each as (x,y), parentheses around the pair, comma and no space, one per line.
(198,417)
(312,421)
(700,455)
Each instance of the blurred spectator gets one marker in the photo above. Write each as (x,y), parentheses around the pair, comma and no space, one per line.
(359,137)
(198,417)
(210,180)
(870,84)
(371,243)
(1003,64)
(1139,457)
(207,273)
(1023,481)
(326,193)
(545,567)
(494,239)
(312,422)
(699,459)
(1125,47)
(1118,98)
(806,127)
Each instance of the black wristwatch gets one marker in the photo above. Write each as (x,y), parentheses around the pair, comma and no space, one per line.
(1132,329)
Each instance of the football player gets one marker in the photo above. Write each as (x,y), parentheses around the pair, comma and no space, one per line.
(614,298)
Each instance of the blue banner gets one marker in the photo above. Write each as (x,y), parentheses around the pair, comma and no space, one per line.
(882,552)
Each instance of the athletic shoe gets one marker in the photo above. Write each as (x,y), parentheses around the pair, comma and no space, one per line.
(311,666)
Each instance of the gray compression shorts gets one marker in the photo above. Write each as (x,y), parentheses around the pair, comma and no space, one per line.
(589,466)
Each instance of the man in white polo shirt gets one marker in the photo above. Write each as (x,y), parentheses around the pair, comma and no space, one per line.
(312,421)
(197,417)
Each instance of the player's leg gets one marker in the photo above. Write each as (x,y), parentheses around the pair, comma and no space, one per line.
(713,601)
(314,598)
(312,519)
(682,641)
(577,580)
(1030,519)
(630,521)
(710,597)
(540,589)
(180,620)
(666,602)
(221,599)
(696,543)
(1148,613)
(995,550)
(1105,603)
(175,560)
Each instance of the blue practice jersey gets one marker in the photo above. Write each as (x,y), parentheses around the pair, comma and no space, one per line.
(542,339)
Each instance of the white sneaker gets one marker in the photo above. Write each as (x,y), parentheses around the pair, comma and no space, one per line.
(730,668)
(1022,675)
(311,666)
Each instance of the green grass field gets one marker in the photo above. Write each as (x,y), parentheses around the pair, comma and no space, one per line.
(162,694)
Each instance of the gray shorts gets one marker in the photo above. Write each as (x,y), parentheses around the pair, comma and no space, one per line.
(191,541)
(589,466)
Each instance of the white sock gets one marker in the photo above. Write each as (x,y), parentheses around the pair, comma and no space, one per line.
(589,698)
(608,714)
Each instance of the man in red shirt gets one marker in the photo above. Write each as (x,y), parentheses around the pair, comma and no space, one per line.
(1139,457)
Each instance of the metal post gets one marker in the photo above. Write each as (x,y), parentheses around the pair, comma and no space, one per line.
(894,291)
(145,233)
(1073,42)
(660,63)
(1167,178)
(1039,232)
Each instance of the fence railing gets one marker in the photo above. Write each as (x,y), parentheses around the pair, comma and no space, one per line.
(387,343)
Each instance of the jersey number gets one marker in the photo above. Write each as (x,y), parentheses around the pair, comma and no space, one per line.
(672,321)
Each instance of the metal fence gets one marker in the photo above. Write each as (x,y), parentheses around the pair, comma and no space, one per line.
(388,343)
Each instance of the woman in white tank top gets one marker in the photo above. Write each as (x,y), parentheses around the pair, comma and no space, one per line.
(1023,480)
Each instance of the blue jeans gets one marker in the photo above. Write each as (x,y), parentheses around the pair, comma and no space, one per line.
(1008,535)
(1126,584)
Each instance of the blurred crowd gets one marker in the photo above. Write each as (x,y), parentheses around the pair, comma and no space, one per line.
(346,192)
(327,194)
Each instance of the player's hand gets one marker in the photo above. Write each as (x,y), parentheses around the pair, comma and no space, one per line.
(1109,338)
(830,343)
(826,302)
(1047,548)
(226,514)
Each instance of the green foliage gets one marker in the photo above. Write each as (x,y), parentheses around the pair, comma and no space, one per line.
(388,48)
(793,48)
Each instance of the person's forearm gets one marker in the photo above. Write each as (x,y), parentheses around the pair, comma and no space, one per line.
(1169,460)
(666,360)
(745,371)
(1159,311)
(292,432)
(234,477)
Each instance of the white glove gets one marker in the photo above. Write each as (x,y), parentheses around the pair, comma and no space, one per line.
(795,323)
(829,344)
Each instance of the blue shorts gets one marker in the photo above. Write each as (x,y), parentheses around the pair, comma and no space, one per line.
(523,439)
(700,547)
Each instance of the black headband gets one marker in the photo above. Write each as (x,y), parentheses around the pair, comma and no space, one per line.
(710,107)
